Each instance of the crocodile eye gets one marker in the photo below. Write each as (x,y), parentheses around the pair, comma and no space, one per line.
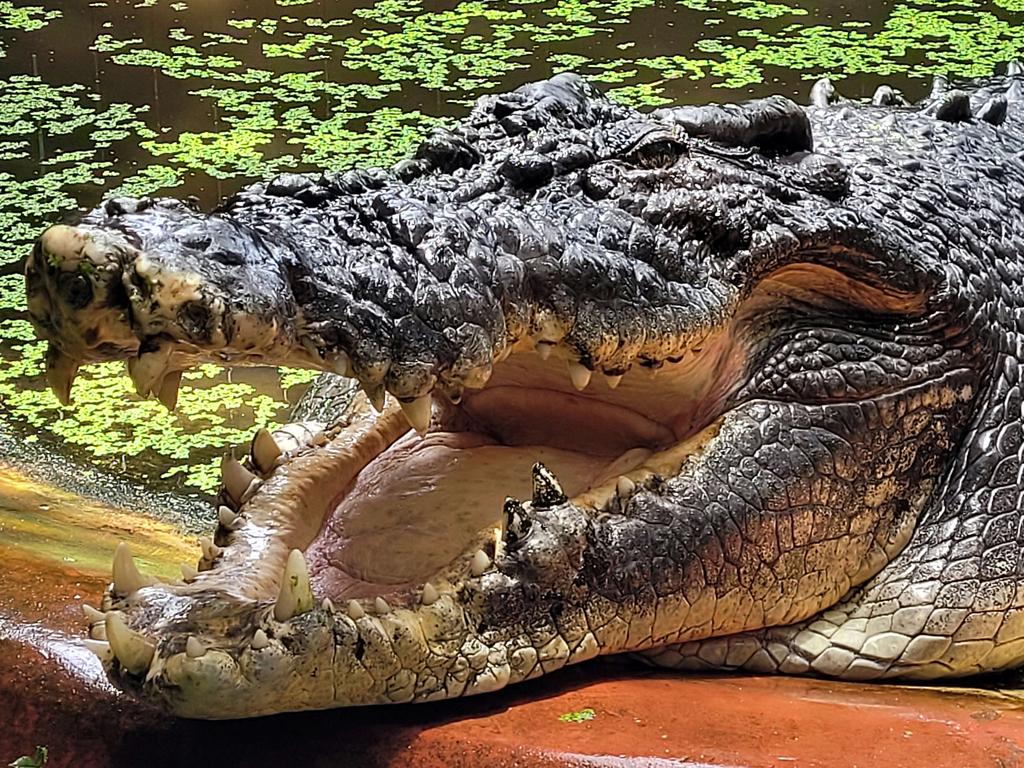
(76,290)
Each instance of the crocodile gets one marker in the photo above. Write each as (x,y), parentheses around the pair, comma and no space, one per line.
(723,387)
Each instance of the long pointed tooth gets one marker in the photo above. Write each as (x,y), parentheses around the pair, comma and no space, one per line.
(547,491)
(149,368)
(101,648)
(480,563)
(375,394)
(60,373)
(430,595)
(133,650)
(625,487)
(189,572)
(264,451)
(193,648)
(355,610)
(613,381)
(98,631)
(167,393)
(296,594)
(259,640)
(544,349)
(579,374)
(342,364)
(327,605)
(210,550)
(380,606)
(418,413)
(126,576)
(92,615)
(228,518)
(235,477)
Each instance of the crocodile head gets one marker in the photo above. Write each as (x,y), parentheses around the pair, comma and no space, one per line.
(628,382)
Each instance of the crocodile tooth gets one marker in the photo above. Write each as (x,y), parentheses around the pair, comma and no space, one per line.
(210,550)
(579,374)
(133,650)
(98,631)
(148,369)
(227,517)
(516,522)
(355,610)
(126,576)
(168,391)
(380,606)
(547,491)
(101,648)
(625,487)
(296,595)
(613,381)
(480,563)
(92,614)
(189,572)
(375,394)
(193,648)
(417,412)
(264,451)
(342,364)
(430,595)
(259,640)
(60,373)
(236,478)
(544,349)
(327,605)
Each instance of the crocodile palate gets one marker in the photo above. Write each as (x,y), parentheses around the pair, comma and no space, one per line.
(731,387)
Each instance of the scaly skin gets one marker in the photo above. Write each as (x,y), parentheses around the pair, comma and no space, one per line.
(838,331)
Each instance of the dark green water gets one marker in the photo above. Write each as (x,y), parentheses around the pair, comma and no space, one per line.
(163,97)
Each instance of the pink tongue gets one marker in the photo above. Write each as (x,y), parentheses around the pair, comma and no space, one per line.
(418,506)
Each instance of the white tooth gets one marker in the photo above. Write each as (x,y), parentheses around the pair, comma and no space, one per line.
(265,451)
(193,648)
(189,572)
(430,595)
(91,614)
(355,610)
(327,605)
(480,563)
(60,374)
(101,648)
(342,365)
(544,349)
(148,369)
(625,487)
(418,413)
(613,381)
(133,650)
(375,394)
(380,606)
(126,576)
(579,374)
(228,517)
(98,631)
(296,594)
(167,393)
(236,478)
(259,640)
(210,550)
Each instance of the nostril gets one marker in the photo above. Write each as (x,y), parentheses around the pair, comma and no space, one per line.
(196,320)
(75,289)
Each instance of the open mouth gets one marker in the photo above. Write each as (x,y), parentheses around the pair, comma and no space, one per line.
(421,502)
